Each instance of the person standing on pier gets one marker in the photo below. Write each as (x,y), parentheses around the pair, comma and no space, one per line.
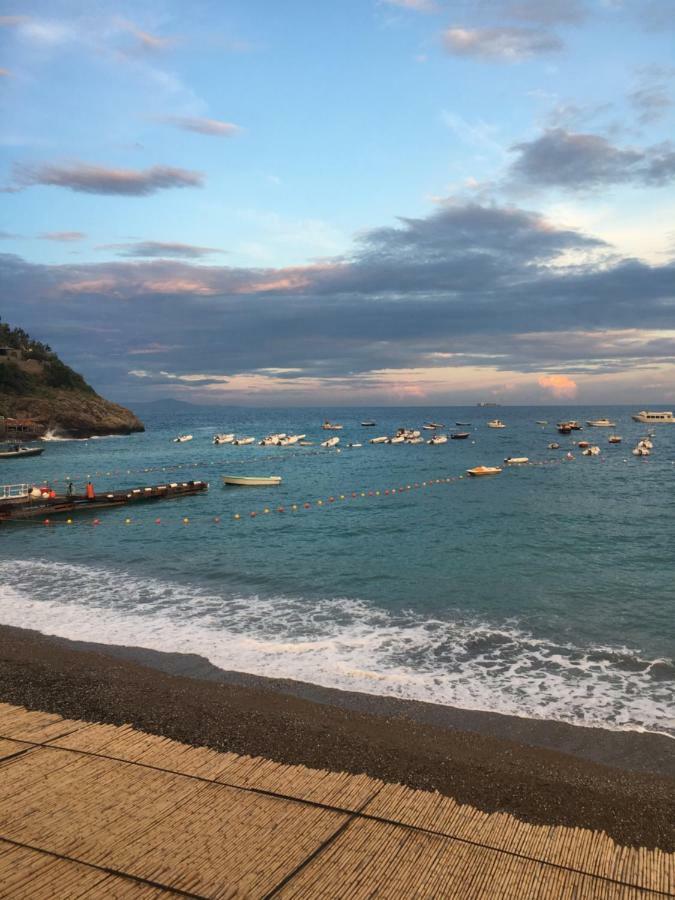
(91,495)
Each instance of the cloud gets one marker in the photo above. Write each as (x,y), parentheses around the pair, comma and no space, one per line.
(560,158)
(161,249)
(561,386)
(146,41)
(500,44)
(213,127)
(62,236)
(92,179)
(546,12)
(416,5)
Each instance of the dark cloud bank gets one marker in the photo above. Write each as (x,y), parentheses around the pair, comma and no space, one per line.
(467,285)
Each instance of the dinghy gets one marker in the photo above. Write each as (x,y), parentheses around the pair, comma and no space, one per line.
(379,440)
(182,438)
(331,442)
(438,439)
(223,438)
(243,440)
(496,423)
(460,435)
(252,480)
(516,460)
(483,470)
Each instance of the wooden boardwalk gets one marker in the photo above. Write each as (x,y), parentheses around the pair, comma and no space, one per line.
(91,811)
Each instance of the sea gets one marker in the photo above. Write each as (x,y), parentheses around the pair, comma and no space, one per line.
(547,591)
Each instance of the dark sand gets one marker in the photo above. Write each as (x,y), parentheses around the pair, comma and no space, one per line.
(618,782)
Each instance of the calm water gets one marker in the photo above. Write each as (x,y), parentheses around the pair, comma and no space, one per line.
(546,591)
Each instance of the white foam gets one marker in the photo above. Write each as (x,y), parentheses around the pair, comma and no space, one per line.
(345,643)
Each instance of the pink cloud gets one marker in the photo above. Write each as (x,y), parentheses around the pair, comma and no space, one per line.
(560,386)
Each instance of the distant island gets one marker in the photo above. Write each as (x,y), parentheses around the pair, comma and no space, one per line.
(39,394)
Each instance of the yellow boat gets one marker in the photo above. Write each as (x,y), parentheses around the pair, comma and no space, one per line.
(483,470)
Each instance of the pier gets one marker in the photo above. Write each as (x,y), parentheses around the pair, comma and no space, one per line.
(100,811)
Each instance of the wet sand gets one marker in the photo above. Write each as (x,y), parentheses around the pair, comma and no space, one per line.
(543,772)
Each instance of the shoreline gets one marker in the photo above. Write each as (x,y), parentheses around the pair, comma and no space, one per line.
(541,771)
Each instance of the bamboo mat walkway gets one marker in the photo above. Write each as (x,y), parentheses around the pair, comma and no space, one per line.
(90,811)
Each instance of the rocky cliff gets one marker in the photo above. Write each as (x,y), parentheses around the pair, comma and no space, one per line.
(35,386)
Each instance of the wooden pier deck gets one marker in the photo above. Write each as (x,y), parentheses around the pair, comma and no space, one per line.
(90,811)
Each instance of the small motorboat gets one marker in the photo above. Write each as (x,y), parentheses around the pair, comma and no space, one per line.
(182,439)
(18,452)
(569,455)
(600,423)
(368,424)
(354,446)
(223,438)
(554,446)
(397,439)
(379,440)
(273,440)
(645,442)
(615,439)
(542,422)
(496,423)
(483,470)
(591,451)
(438,439)
(331,442)
(463,424)
(460,435)
(564,428)
(243,440)
(291,439)
(583,444)
(516,460)
(434,425)
(251,480)
(415,440)
(574,425)
(331,426)
(429,427)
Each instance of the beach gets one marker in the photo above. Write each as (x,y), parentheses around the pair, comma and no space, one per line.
(542,772)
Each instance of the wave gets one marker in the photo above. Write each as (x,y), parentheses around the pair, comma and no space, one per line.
(348,644)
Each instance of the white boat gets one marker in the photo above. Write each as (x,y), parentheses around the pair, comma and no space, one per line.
(641,451)
(17,452)
(305,443)
(415,440)
(331,442)
(273,440)
(655,418)
(379,440)
(429,427)
(397,439)
(496,423)
(542,422)
(331,426)
(243,440)
(368,424)
(554,445)
(516,460)
(182,438)
(591,451)
(438,439)
(645,442)
(600,423)
(433,425)
(223,438)
(252,480)
(477,471)
(354,446)
(292,439)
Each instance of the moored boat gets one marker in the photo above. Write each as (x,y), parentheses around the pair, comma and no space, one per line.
(477,471)
(496,423)
(438,439)
(516,460)
(331,426)
(331,442)
(655,418)
(243,440)
(379,440)
(614,439)
(460,435)
(182,439)
(554,445)
(223,438)
(368,424)
(18,452)
(251,480)
(600,423)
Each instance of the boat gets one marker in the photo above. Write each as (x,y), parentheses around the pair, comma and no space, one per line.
(641,451)
(354,446)
(486,403)
(291,439)
(37,504)
(554,446)
(331,442)
(575,426)
(434,424)
(331,426)
(516,460)
(397,439)
(591,451)
(438,439)
(615,439)
(18,452)
(655,418)
(305,443)
(243,440)
(564,428)
(460,435)
(496,423)
(368,424)
(429,427)
(379,440)
(223,438)
(483,470)
(645,442)
(542,422)
(600,423)
(569,455)
(583,444)
(415,440)
(463,424)
(182,438)
(251,480)
(273,440)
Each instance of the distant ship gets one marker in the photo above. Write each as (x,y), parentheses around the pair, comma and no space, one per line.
(649,417)
(487,403)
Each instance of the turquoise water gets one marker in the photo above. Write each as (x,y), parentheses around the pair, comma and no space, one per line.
(546,591)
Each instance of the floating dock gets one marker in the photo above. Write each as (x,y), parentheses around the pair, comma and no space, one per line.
(13,508)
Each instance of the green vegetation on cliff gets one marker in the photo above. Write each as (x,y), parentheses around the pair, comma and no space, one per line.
(35,384)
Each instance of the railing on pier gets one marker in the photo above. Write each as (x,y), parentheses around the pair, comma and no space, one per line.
(14,491)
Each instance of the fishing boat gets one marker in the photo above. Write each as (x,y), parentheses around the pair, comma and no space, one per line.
(379,440)
(36,504)
(331,442)
(223,438)
(331,426)
(460,435)
(252,480)
(182,439)
(18,452)
(615,439)
(554,446)
(496,423)
(368,424)
(516,460)
(477,471)
(600,423)
(240,442)
(438,439)
(656,418)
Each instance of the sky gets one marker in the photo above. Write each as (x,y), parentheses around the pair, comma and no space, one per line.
(355,202)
